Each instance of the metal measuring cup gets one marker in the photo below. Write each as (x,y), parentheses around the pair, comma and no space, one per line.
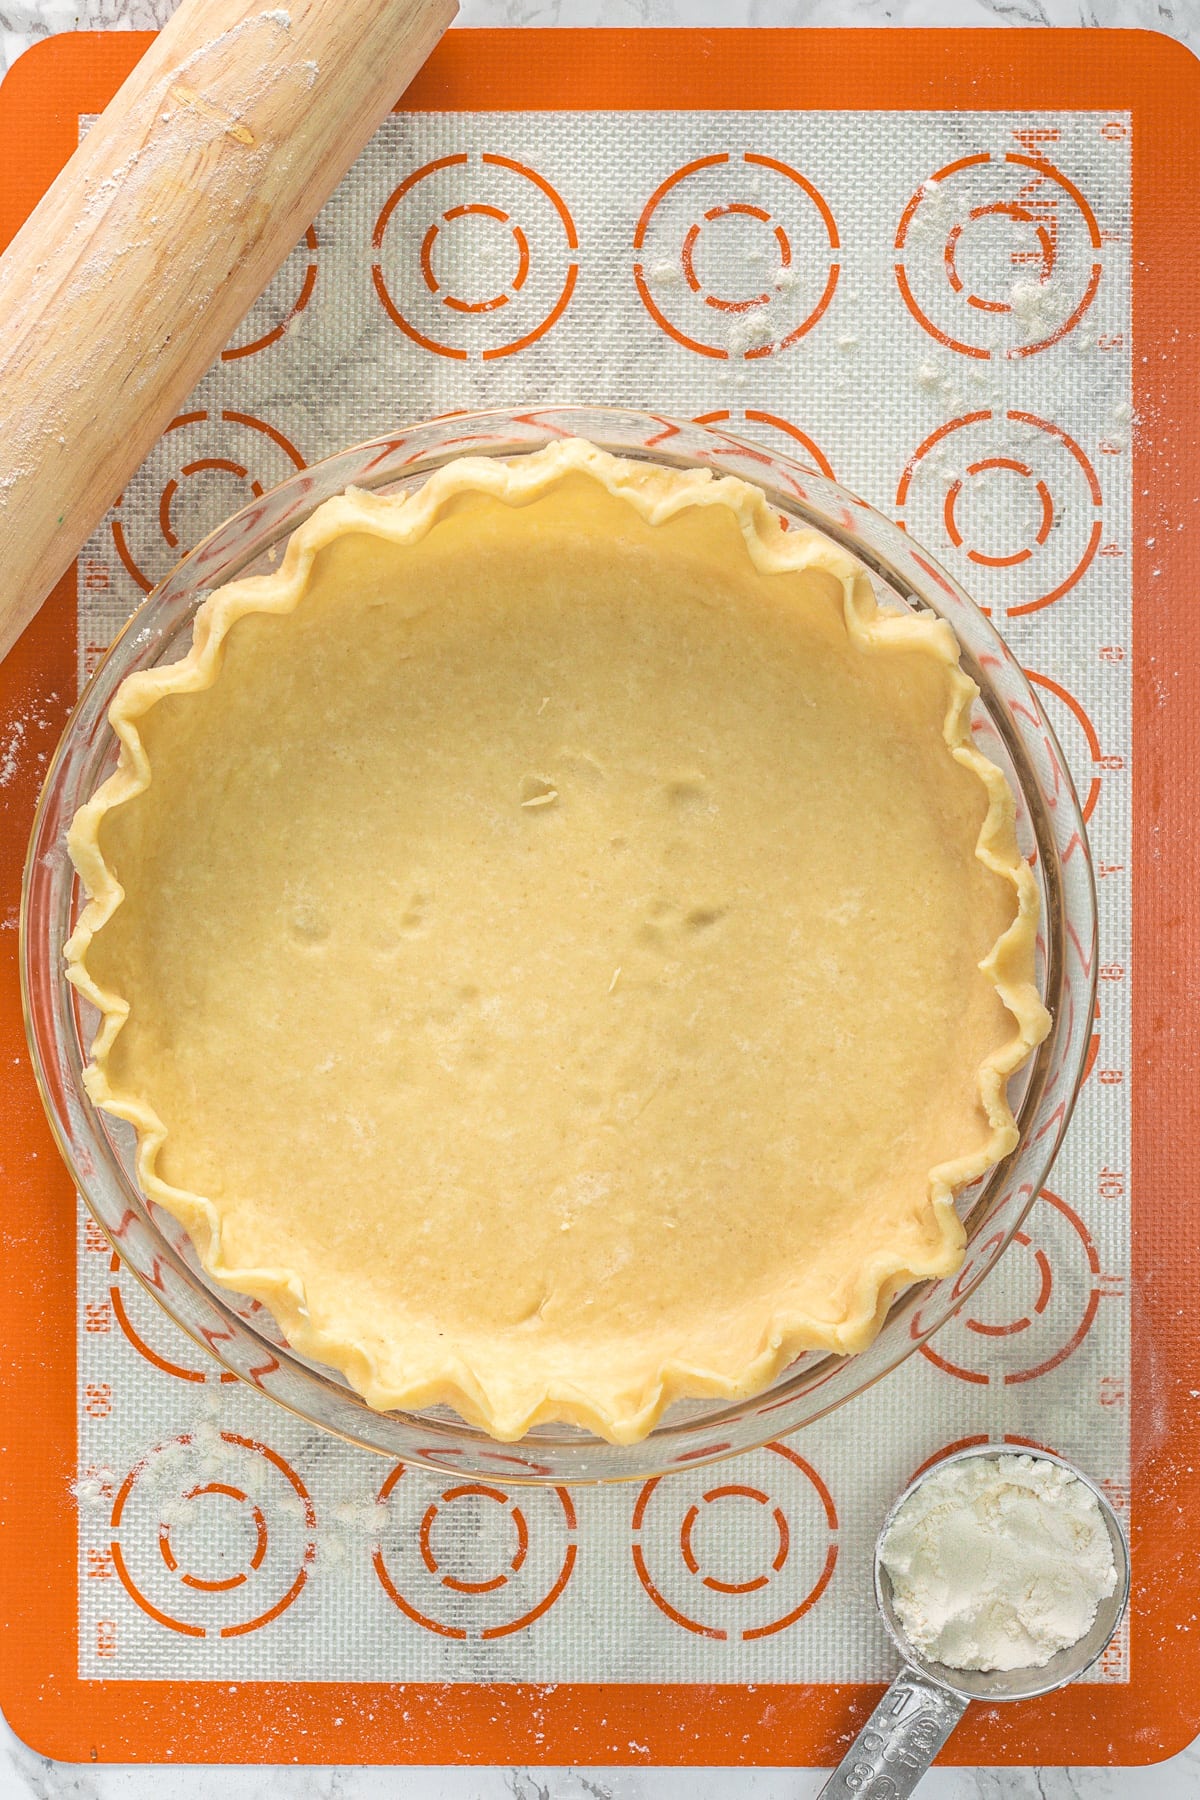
(926,1700)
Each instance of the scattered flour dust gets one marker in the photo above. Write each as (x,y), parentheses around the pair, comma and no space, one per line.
(95,1488)
(1039,307)
(999,1562)
(10,751)
(751,332)
(17,735)
(168,1474)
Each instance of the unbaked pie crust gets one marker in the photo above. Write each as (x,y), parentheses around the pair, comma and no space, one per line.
(556,943)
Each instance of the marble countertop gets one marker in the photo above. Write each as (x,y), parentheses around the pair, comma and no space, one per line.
(23,20)
(27,1776)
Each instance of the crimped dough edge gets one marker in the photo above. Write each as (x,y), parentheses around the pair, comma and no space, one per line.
(656,493)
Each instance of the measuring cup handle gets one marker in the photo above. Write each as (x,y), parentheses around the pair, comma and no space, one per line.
(898,1741)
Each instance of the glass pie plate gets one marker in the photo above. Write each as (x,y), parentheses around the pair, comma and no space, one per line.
(1009,727)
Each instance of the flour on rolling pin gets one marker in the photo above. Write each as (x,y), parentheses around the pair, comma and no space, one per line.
(170,218)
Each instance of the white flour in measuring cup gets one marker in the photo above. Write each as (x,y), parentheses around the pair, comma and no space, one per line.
(998,1562)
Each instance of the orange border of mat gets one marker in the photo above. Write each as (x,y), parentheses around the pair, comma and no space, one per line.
(62,1716)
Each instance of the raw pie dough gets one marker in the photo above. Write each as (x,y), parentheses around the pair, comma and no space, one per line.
(556,943)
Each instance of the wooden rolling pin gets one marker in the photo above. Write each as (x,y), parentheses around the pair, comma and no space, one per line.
(167,223)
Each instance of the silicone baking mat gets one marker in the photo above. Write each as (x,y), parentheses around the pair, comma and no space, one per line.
(961,311)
